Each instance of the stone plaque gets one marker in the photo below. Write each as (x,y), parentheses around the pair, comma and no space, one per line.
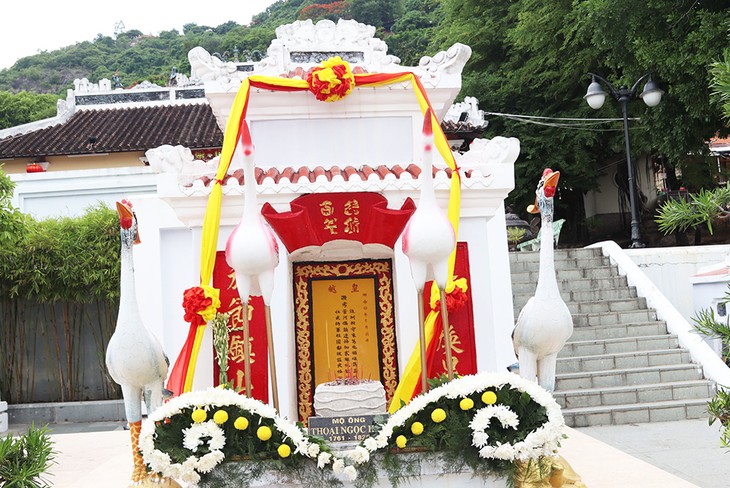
(343,429)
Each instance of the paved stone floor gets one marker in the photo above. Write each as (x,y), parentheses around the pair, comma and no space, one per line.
(684,454)
(688,449)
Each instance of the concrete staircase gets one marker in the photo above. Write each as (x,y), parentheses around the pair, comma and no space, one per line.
(621,365)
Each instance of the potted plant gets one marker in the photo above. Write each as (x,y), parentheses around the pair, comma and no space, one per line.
(515,236)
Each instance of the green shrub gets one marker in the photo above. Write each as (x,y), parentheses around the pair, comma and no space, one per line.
(24,459)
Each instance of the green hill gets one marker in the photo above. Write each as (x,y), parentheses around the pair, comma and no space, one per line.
(136,57)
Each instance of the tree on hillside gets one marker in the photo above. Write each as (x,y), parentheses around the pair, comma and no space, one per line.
(531,57)
(24,107)
(413,32)
(378,13)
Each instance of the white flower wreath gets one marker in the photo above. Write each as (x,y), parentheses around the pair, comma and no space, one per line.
(210,399)
(194,435)
(543,441)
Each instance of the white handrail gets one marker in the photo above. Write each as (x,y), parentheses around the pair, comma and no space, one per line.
(713,367)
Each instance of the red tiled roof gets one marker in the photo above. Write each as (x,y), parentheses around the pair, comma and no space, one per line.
(311,174)
(120,130)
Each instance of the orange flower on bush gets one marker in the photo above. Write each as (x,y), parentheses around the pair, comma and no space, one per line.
(201,304)
(332,81)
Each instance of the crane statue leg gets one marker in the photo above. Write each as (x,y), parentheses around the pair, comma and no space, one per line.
(133,410)
(422,343)
(528,364)
(546,372)
(246,349)
(447,334)
(272,361)
(266,283)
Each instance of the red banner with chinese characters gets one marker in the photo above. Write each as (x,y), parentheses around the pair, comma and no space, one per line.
(318,218)
(224,278)
(461,327)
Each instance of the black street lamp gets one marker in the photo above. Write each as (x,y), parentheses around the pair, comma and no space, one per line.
(652,95)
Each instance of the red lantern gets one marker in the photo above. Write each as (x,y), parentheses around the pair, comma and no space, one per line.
(34,168)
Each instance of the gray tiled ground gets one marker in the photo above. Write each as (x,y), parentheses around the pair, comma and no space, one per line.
(689,449)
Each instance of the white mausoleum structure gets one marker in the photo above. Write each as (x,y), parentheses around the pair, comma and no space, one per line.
(367,142)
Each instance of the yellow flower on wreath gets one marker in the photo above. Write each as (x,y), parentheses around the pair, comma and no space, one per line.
(220,417)
(438,415)
(284,451)
(263,433)
(417,428)
(466,404)
(199,415)
(489,398)
(401,441)
(241,423)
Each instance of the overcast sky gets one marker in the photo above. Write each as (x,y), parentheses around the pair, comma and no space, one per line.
(29,26)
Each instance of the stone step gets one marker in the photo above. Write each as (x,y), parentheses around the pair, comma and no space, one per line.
(613,318)
(601,306)
(623,360)
(618,331)
(619,345)
(626,377)
(567,274)
(573,286)
(632,394)
(574,296)
(571,253)
(562,264)
(636,413)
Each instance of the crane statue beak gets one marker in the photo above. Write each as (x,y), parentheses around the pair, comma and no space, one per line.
(549,185)
(127,217)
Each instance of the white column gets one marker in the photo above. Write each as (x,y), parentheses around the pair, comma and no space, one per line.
(491,289)
(3,416)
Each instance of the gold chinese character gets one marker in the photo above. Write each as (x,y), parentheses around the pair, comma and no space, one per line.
(331,225)
(326,208)
(240,385)
(352,225)
(352,207)
(455,349)
(236,352)
(232,280)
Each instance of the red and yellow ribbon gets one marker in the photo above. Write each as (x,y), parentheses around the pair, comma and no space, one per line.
(181,377)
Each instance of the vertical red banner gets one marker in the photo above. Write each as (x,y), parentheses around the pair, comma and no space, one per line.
(224,279)
(463,346)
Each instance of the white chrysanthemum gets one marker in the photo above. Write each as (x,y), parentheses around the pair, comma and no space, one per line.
(313,450)
(338,466)
(323,459)
(505,451)
(371,444)
(206,463)
(359,455)
(193,436)
(479,439)
(350,472)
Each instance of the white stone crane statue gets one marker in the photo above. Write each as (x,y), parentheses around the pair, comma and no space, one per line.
(253,253)
(428,241)
(134,357)
(545,323)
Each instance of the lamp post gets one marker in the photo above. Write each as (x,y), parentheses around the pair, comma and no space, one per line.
(652,95)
